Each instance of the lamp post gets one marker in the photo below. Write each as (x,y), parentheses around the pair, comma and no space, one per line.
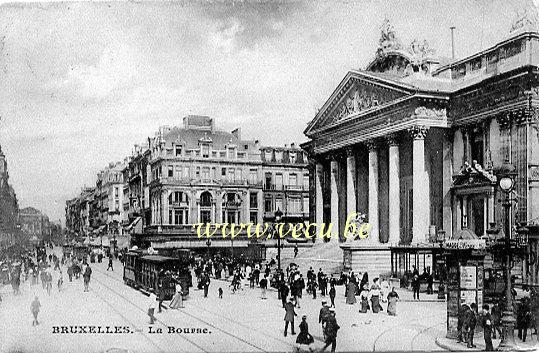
(441,287)
(278,216)
(506,182)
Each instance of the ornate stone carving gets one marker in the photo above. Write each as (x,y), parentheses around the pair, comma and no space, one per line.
(360,99)
(372,145)
(504,120)
(388,39)
(392,139)
(432,113)
(350,152)
(528,18)
(418,132)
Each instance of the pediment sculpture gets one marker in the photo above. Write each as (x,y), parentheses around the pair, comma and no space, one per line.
(432,113)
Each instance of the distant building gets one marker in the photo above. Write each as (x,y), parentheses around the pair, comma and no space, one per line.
(9,208)
(35,223)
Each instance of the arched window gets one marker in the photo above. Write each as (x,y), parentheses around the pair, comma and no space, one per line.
(206,199)
(177,198)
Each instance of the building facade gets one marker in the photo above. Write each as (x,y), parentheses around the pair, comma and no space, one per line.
(35,224)
(413,143)
(9,208)
(200,174)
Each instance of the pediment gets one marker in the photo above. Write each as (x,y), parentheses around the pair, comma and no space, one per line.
(473,175)
(358,94)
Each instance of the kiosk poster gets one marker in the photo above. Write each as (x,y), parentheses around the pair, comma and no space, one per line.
(468,296)
(468,277)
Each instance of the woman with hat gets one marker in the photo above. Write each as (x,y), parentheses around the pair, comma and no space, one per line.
(304,336)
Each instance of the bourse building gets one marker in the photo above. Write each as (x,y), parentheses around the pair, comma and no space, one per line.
(412,142)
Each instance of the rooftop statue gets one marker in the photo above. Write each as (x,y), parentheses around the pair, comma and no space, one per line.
(388,39)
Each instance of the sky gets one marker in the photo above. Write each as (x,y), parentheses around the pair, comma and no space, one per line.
(81,83)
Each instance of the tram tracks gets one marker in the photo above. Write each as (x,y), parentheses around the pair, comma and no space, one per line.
(205,322)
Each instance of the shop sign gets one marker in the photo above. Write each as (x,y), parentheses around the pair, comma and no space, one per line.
(468,277)
(477,244)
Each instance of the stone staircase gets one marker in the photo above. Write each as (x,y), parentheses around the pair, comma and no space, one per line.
(327,256)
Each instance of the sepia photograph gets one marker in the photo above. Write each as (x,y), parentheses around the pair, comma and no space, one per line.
(299,176)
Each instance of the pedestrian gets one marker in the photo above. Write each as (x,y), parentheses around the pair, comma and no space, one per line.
(289,317)
(70,273)
(284,293)
(351,293)
(462,323)
(496,315)
(364,297)
(332,293)
(487,328)
(304,336)
(295,251)
(392,299)
(86,276)
(206,285)
(60,280)
(177,299)
(151,306)
(34,308)
(263,287)
(523,318)
(110,264)
(330,331)
(416,285)
(375,296)
(323,315)
(49,280)
(220,293)
(471,323)
(430,282)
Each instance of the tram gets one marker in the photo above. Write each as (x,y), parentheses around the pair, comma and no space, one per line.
(153,272)
(67,250)
(80,252)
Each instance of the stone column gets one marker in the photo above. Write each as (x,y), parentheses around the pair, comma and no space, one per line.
(373,237)
(246,208)
(334,200)
(421,195)
(447,182)
(319,170)
(350,181)
(394,190)
(490,196)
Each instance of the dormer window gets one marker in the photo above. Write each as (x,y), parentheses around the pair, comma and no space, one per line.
(205,148)
(292,157)
(231,152)
(178,150)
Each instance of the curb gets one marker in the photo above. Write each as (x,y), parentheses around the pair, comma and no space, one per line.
(456,347)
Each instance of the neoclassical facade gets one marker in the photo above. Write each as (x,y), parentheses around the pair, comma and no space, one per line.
(412,142)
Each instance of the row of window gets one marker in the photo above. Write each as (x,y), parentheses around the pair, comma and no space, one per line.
(181,216)
(294,205)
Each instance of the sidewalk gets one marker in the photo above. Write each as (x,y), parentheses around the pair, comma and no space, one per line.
(453,346)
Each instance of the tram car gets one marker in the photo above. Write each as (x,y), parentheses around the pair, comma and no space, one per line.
(152,272)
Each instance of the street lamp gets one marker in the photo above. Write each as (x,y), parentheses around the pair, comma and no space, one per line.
(506,181)
(278,216)
(441,287)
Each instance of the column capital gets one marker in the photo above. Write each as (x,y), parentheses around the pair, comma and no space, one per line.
(350,151)
(372,145)
(504,120)
(392,139)
(418,132)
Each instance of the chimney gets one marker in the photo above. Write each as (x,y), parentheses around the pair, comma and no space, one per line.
(452,28)
(292,145)
(237,133)
(257,144)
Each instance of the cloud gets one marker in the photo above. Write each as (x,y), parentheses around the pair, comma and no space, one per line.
(115,69)
(224,37)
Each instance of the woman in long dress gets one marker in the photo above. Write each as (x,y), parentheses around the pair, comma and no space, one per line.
(364,297)
(375,296)
(392,298)
(177,300)
(351,293)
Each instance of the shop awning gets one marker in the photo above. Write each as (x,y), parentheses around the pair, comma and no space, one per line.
(130,226)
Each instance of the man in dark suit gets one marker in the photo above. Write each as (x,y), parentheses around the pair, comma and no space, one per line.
(487,328)
(289,317)
(330,331)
